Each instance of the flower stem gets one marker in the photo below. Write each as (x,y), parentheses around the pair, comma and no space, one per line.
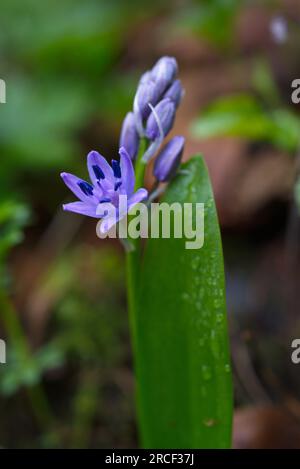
(133,260)
(140,166)
(133,255)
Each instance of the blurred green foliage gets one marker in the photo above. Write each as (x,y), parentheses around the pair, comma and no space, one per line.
(26,370)
(244,116)
(13,217)
(60,63)
(91,331)
(88,334)
(213,20)
(258,116)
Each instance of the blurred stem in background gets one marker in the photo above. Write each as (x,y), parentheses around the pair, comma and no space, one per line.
(86,403)
(17,338)
(24,369)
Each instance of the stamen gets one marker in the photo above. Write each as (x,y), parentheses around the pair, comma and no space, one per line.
(98,172)
(86,188)
(117,185)
(116,169)
(105,200)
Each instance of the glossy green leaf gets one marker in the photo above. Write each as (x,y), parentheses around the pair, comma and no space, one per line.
(181,338)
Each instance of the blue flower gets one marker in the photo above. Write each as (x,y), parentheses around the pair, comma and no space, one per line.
(158,95)
(107,184)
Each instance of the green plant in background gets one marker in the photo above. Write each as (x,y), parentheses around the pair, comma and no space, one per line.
(90,336)
(25,369)
(258,117)
(13,217)
(212,20)
(244,116)
(176,296)
(59,63)
(86,332)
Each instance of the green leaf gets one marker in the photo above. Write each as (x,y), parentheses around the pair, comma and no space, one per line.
(238,115)
(180,328)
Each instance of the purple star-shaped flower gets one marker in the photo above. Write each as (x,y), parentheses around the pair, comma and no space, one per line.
(108,183)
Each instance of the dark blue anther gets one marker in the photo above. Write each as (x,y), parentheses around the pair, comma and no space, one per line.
(107,199)
(116,169)
(86,188)
(98,172)
(117,185)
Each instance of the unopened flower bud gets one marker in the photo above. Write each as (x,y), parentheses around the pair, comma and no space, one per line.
(129,138)
(146,93)
(145,77)
(161,119)
(175,92)
(168,160)
(164,71)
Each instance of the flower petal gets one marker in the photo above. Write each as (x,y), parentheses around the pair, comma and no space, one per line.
(98,165)
(175,92)
(127,172)
(82,208)
(72,182)
(165,70)
(138,196)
